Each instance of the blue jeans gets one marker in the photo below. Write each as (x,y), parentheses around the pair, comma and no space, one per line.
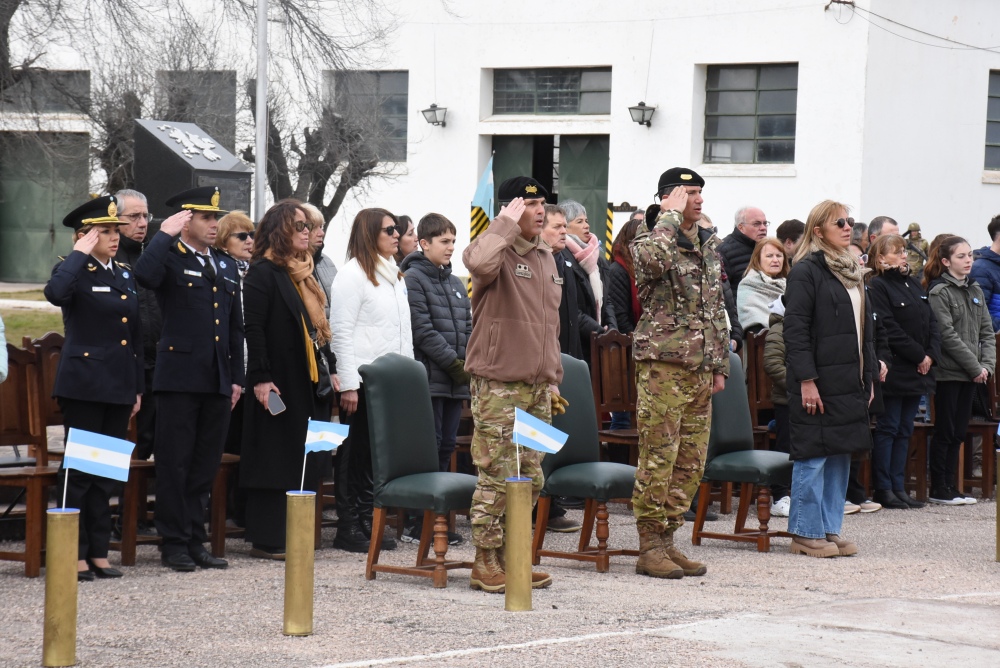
(819,486)
(620,420)
(892,441)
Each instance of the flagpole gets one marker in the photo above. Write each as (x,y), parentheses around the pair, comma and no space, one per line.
(302,484)
(65,485)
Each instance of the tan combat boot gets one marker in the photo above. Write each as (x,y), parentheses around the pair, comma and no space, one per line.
(689,566)
(653,559)
(487,574)
(539,579)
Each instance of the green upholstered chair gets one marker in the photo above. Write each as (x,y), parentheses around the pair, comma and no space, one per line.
(732,458)
(405,464)
(576,471)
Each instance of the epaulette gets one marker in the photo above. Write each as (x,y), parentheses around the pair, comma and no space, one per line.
(181,248)
(123,265)
(61,258)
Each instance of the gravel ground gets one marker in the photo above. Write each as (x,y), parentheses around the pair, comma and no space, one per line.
(155,617)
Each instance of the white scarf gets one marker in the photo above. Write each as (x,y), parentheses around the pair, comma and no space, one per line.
(387,269)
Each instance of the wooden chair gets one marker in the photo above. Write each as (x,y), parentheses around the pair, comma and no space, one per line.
(576,470)
(405,465)
(732,458)
(612,379)
(49,350)
(759,388)
(35,481)
(916,466)
(20,414)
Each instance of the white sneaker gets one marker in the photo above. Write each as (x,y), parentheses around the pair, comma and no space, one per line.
(851,508)
(964,497)
(869,506)
(781,507)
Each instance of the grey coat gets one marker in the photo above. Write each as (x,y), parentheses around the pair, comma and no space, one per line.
(441,319)
(967,342)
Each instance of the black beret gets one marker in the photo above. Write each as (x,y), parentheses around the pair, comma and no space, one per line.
(521,186)
(198,199)
(98,211)
(678,176)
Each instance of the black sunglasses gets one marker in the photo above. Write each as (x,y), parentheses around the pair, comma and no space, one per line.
(840,222)
(302,225)
(243,236)
(389,231)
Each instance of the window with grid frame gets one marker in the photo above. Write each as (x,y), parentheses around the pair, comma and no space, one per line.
(750,113)
(554,90)
(377,101)
(993,123)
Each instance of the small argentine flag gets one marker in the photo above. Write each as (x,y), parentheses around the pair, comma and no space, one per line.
(97,454)
(324,435)
(530,432)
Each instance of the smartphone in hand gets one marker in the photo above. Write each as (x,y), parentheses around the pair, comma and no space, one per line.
(274,403)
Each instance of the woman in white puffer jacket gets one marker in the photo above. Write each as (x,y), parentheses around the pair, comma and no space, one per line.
(369,317)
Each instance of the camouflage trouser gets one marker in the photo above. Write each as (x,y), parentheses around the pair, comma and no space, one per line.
(494,453)
(674,413)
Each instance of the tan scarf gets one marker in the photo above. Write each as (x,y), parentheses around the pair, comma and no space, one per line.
(851,274)
(301,272)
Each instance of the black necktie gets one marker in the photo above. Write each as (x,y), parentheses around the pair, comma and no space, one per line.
(209,269)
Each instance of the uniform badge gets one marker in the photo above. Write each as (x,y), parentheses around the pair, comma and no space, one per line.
(101,288)
(91,267)
(124,274)
(180,247)
(975,300)
(191,272)
(523,270)
(558,280)
(686,177)
(222,263)
(531,190)
(215,199)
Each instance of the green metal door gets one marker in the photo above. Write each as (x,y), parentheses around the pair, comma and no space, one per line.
(512,156)
(43,176)
(583,176)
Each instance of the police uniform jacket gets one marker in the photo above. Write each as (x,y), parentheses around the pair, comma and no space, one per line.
(201,344)
(680,288)
(102,357)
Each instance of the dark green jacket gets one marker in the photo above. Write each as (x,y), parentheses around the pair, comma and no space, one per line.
(967,342)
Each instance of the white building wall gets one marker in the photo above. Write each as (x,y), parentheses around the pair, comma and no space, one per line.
(925,118)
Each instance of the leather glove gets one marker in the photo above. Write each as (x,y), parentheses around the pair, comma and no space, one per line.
(559,404)
(458,373)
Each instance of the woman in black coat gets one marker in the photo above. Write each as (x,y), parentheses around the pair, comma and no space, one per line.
(622,292)
(830,363)
(285,323)
(914,342)
(101,369)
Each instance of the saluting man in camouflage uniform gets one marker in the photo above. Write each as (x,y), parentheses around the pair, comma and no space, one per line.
(513,357)
(681,350)
(916,250)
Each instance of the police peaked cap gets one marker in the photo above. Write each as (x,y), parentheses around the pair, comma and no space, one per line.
(98,211)
(521,186)
(678,176)
(197,199)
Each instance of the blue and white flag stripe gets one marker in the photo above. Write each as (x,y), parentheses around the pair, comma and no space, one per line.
(97,454)
(324,435)
(530,432)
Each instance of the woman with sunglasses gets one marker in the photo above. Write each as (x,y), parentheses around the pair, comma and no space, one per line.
(236,238)
(830,362)
(284,323)
(369,317)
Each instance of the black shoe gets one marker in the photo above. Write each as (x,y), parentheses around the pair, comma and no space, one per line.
(204,559)
(108,572)
(907,499)
(85,576)
(889,500)
(179,562)
(350,538)
(690,515)
(366,528)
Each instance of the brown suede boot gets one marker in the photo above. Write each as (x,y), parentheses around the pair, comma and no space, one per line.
(487,573)
(653,559)
(539,579)
(689,566)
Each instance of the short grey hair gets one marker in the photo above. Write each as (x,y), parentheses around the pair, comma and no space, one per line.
(877,223)
(126,192)
(573,209)
(741,214)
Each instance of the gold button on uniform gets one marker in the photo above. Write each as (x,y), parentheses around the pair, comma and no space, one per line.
(171,348)
(124,296)
(190,284)
(216,322)
(124,319)
(216,304)
(216,338)
(215,289)
(124,342)
(86,354)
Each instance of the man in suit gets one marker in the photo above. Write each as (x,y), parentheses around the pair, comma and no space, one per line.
(199,372)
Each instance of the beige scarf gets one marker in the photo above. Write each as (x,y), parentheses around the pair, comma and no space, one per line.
(301,272)
(851,274)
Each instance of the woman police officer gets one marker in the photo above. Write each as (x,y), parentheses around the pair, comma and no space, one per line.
(99,381)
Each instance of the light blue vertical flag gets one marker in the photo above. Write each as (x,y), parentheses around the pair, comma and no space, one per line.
(482,202)
(97,454)
(535,434)
(324,435)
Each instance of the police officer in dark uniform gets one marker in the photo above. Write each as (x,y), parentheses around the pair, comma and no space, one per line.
(99,381)
(199,369)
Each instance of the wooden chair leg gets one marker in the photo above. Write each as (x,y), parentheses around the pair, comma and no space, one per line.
(746,490)
(704,499)
(426,537)
(989,468)
(128,511)
(764,515)
(375,545)
(541,525)
(217,512)
(726,501)
(603,561)
(440,549)
(587,527)
(34,527)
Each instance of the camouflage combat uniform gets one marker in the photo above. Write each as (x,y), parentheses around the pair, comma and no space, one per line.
(493,452)
(916,256)
(678,344)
